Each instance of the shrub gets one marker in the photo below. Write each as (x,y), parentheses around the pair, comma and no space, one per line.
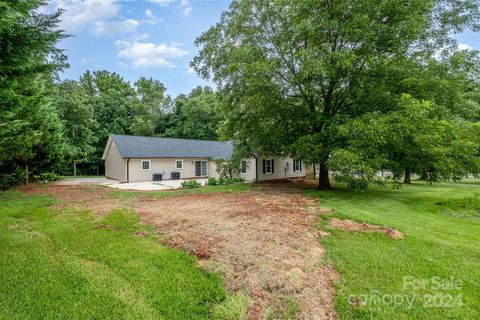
(8,180)
(212,182)
(190,184)
(224,181)
(46,177)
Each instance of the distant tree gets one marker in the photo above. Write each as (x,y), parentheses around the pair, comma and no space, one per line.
(196,116)
(150,108)
(290,72)
(31,135)
(112,100)
(77,114)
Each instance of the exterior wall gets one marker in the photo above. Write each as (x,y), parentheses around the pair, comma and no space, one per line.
(280,169)
(164,166)
(115,165)
(212,169)
(251,174)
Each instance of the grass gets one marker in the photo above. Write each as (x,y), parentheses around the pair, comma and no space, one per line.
(68,264)
(442,234)
(182,192)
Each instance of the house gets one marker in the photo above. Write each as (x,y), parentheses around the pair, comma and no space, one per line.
(135,158)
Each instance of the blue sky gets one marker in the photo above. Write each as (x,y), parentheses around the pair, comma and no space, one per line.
(151,38)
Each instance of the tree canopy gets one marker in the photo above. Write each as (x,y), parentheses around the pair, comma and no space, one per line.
(291,73)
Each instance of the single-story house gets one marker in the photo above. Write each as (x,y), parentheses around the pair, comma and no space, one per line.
(134,159)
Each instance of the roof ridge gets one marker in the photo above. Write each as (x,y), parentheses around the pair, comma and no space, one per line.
(154,137)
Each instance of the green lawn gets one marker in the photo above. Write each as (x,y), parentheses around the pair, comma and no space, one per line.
(72,265)
(442,236)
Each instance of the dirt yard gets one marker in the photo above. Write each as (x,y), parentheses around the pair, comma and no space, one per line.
(260,240)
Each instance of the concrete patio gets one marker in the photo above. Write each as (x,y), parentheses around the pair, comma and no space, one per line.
(140,186)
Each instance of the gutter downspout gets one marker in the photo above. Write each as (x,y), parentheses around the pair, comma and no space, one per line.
(256,169)
(128,172)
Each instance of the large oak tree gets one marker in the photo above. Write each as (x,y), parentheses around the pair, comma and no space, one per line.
(291,72)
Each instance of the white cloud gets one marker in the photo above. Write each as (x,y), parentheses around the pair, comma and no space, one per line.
(162,3)
(148,54)
(186,7)
(464,46)
(190,70)
(114,27)
(152,19)
(95,16)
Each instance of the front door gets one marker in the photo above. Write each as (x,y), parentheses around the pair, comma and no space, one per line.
(201,168)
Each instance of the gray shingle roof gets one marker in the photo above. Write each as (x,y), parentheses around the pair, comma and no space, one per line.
(152,147)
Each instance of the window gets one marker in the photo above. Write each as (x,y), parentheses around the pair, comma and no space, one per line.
(297,165)
(145,165)
(243,168)
(178,164)
(200,168)
(268,166)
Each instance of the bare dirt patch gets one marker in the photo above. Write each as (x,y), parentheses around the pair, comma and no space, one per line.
(349,225)
(260,240)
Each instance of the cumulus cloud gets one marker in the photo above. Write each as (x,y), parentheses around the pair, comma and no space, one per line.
(151,18)
(148,54)
(162,3)
(464,46)
(185,7)
(95,16)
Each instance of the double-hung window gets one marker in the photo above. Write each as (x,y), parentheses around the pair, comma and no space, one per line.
(243,168)
(268,166)
(145,165)
(297,165)
(178,164)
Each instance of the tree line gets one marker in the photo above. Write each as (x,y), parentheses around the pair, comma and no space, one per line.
(51,125)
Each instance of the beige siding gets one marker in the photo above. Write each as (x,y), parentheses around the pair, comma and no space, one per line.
(212,169)
(250,175)
(115,167)
(280,169)
(164,166)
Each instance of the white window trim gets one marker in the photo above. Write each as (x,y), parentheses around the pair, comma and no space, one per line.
(269,167)
(176,168)
(149,165)
(246,167)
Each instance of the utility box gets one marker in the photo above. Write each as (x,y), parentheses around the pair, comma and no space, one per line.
(157,177)
(175,175)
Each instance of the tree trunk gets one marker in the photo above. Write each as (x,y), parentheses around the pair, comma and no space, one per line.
(74,168)
(408,176)
(26,173)
(324,179)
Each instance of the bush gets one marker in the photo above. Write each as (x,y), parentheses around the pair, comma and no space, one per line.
(8,180)
(46,177)
(190,184)
(212,182)
(224,181)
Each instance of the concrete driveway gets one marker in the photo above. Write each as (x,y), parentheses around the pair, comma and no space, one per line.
(141,186)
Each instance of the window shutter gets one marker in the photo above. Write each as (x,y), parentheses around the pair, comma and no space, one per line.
(294,166)
(263,166)
(273,168)
(300,165)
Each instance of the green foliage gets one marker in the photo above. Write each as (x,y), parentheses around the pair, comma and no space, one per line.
(224,181)
(31,133)
(290,72)
(46,177)
(12,178)
(191,184)
(234,307)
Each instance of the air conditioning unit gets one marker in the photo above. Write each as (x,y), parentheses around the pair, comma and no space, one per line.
(157,177)
(175,175)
